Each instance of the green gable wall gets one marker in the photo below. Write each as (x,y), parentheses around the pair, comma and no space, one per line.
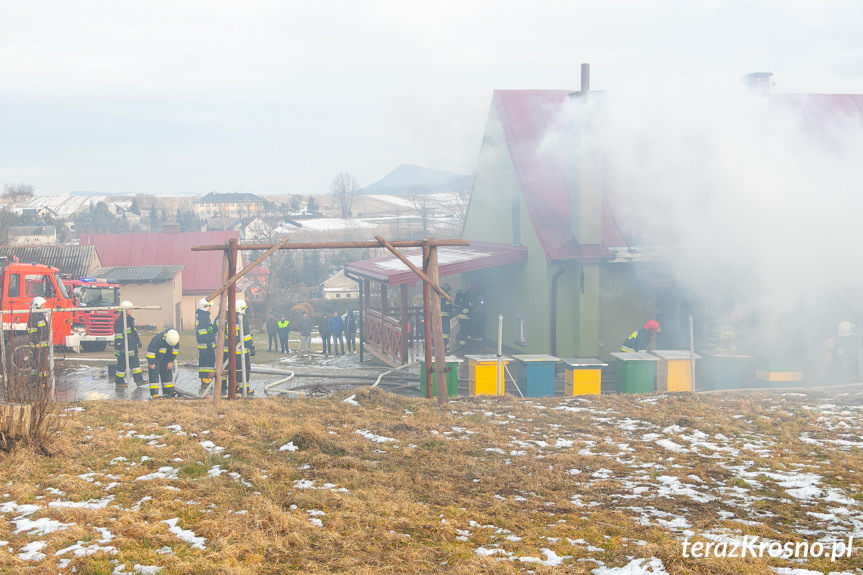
(592,323)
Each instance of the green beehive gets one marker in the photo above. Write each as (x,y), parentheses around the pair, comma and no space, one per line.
(635,372)
(451,363)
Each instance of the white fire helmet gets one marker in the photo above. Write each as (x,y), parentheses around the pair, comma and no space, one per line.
(204,304)
(126,304)
(38,302)
(846,328)
(172,337)
(241,306)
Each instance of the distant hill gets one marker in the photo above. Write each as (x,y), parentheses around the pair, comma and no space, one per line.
(406,179)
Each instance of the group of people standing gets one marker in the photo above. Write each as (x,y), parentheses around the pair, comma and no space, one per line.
(336,332)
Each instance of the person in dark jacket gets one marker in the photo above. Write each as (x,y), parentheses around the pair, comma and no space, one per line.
(337,333)
(640,339)
(38,335)
(130,342)
(161,355)
(351,331)
(244,348)
(324,330)
(445,316)
(284,328)
(304,326)
(205,336)
(273,332)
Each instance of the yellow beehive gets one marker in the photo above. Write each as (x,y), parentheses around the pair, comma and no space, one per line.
(482,378)
(674,372)
(582,376)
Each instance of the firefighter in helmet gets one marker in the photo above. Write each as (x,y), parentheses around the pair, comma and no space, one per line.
(640,339)
(445,315)
(205,335)
(127,341)
(244,348)
(161,355)
(38,335)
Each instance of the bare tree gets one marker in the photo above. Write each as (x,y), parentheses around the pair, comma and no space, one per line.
(344,188)
(18,190)
(424,205)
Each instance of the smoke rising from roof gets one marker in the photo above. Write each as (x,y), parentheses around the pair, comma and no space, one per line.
(754,200)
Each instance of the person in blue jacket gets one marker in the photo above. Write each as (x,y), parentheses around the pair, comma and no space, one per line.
(337,332)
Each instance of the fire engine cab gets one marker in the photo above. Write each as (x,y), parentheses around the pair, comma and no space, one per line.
(21,282)
(95,328)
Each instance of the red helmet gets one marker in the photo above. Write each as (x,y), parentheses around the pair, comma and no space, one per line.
(736,316)
(652,326)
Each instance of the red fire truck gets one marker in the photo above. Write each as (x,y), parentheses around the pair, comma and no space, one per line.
(20,283)
(95,328)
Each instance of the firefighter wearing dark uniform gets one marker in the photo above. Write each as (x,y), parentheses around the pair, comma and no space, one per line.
(445,315)
(205,335)
(471,316)
(37,335)
(131,342)
(640,339)
(245,348)
(161,355)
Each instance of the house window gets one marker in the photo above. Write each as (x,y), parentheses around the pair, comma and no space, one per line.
(516,221)
(520,330)
(338,295)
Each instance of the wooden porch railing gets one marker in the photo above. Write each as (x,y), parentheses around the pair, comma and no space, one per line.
(382,337)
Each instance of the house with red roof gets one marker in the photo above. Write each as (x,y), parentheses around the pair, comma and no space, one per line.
(587,281)
(201,272)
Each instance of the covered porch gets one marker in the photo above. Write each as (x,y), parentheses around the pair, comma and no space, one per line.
(384,329)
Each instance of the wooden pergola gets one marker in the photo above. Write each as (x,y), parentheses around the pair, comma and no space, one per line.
(432,292)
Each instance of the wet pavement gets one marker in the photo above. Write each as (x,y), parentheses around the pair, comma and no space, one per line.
(82,378)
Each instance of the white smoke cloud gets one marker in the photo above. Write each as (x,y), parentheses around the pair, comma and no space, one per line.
(756,205)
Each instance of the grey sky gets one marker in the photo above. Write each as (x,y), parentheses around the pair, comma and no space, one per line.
(271,97)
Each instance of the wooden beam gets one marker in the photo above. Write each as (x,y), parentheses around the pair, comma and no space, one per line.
(437,329)
(413,268)
(220,339)
(231,322)
(406,327)
(231,281)
(427,340)
(334,245)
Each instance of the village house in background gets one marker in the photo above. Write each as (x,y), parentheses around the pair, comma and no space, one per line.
(201,273)
(337,286)
(252,229)
(230,206)
(32,235)
(157,285)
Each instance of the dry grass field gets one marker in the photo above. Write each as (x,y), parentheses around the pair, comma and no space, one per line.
(372,482)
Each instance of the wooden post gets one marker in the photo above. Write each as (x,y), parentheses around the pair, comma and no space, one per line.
(383,300)
(232,322)
(437,329)
(427,343)
(220,338)
(403,343)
